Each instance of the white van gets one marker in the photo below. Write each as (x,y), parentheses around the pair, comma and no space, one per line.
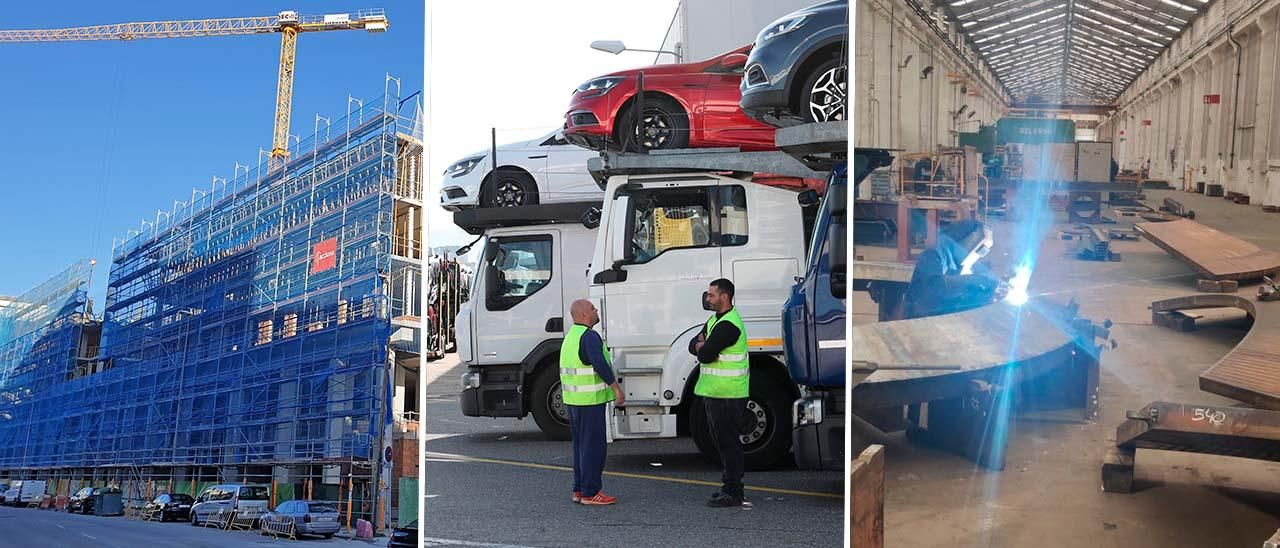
(247,501)
(23,492)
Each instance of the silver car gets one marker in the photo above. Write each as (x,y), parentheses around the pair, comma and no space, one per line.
(220,502)
(309,517)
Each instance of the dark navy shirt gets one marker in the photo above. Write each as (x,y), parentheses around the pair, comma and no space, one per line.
(591,350)
(722,336)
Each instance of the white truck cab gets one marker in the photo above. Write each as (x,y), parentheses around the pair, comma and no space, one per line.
(662,240)
(509,333)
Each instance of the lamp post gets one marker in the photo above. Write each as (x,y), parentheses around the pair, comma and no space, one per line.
(616,47)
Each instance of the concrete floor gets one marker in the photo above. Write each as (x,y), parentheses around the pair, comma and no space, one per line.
(1050,492)
(501,483)
(25,527)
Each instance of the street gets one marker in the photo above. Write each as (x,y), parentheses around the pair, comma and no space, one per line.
(23,527)
(499,482)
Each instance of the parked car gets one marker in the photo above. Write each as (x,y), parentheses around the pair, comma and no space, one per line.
(686,105)
(405,536)
(169,506)
(543,170)
(309,517)
(22,492)
(247,501)
(4,488)
(82,501)
(798,71)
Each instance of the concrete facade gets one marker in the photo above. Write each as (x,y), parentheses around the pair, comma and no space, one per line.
(1167,118)
(900,102)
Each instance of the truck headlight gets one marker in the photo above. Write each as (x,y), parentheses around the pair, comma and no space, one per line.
(470,379)
(806,411)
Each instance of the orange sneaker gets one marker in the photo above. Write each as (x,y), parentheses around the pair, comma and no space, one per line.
(577,496)
(600,499)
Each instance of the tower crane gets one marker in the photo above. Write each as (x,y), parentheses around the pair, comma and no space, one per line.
(288,23)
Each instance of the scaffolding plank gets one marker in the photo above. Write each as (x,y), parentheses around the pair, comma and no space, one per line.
(1214,254)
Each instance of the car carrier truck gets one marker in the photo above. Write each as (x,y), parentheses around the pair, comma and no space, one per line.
(669,224)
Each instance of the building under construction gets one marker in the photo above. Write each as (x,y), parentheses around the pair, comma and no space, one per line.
(266,331)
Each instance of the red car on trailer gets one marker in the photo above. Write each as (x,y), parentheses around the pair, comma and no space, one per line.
(691,105)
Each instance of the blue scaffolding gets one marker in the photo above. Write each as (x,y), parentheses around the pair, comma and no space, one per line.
(249,327)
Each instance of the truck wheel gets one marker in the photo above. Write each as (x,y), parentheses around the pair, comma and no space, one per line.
(547,405)
(766,436)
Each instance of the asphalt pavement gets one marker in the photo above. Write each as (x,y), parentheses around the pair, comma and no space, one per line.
(500,483)
(25,527)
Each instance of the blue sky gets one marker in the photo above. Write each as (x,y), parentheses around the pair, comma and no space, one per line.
(96,136)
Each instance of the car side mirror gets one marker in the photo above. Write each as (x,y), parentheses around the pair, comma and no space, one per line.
(733,60)
(490,251)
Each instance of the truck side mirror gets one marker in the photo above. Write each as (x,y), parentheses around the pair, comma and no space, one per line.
(706,305)
(837,234)
(808,198)
(837,239)
(591,219)
(492,288)
(490,251)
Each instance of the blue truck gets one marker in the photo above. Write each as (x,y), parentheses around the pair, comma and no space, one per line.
(814,322)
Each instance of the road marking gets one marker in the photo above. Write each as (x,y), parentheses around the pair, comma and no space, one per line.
(428,541)
(89,536)
(60,527)
(447,457)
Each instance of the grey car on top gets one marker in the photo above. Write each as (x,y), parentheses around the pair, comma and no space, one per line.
(798,70)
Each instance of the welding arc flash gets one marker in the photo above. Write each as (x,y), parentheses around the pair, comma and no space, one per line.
(1018,286)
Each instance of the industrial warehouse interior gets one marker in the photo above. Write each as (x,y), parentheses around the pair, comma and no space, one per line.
(1107,372)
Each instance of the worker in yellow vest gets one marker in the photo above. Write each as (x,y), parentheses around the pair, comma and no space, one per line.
(587,385)
(724,381)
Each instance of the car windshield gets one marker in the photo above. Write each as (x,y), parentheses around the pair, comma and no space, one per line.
(180,498)
(253,493)
(318,507)
(412,525)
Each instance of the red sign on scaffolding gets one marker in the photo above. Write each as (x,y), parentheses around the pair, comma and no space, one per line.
(1146,122)
(324,255)
(1212,99)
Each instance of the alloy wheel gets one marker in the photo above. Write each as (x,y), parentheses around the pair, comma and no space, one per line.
(827,98)
(655,129)
(509,193)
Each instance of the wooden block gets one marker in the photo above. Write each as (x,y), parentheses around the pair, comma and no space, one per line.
(1173,320)
(1217,286)
(1117,470)
(866,501)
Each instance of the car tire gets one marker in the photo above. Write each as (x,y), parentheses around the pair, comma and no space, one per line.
(824,97)
(667,121)
(328,535)
(546,404)
(770,407)
(509,187)
(195,519)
